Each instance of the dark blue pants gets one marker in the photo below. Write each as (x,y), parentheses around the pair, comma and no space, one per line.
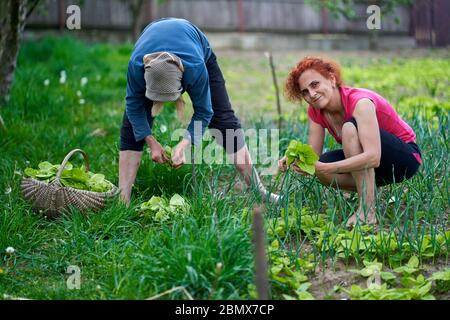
(397,162)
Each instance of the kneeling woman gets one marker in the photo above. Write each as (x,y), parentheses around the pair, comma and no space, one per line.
(378,147)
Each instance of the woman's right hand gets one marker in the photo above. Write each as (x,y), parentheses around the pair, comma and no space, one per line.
(297,169)
(282,164)
(158,154)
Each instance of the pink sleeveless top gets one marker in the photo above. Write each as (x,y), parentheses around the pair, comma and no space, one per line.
(387,117)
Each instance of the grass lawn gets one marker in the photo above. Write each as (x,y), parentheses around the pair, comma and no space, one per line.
(208,252)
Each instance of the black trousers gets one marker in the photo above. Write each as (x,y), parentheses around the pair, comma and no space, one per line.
(226,128)
(398,160)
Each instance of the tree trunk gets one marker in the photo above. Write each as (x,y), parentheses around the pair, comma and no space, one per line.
(13,14)
(137,13)
(12,24)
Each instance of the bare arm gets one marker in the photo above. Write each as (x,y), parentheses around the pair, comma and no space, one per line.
(316,135)
(369,137)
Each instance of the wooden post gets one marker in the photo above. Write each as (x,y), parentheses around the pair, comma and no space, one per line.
(262,281)
(275,84)
(241,15)
(61,15)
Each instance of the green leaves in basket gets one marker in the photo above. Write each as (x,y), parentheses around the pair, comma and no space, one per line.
(74,177)
(98,183)
(303,154)
(160,209)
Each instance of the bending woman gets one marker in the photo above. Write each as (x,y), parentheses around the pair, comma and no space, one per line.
(378,147)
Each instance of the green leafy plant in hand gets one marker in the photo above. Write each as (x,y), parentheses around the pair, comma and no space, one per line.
(74,177)
(303,155)
(160,209)
(168,152)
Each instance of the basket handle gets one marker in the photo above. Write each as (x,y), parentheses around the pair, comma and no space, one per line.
(67,158)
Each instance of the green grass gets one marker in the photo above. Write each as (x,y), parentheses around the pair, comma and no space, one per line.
(125,256)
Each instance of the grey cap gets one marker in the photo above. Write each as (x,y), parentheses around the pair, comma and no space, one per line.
(163,74)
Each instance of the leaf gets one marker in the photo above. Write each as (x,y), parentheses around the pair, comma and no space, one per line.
(275,245)
(386,276)
(45,166)
(311,169)
(303,295)
(303,154)
(159,209)
(356,291)
(441,275)
(413,262)
(423,290)
(168,152)
(410,267)
(177,201)
(405,269)
(30,172)
(71,177)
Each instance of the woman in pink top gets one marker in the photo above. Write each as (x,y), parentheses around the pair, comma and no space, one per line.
(378,147)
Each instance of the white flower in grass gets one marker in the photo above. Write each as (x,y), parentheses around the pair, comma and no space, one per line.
(163,128)
(62,77)
(10,250)
(392,199)
(8,190)
(83,81)
(79,93)
(81,101)
(46,82)
(98,78)
(219,267)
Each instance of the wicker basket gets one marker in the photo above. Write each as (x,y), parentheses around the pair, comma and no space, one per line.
(50,199)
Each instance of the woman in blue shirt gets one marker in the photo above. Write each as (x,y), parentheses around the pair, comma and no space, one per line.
(173,56)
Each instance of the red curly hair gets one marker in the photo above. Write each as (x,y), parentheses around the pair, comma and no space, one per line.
(325,67)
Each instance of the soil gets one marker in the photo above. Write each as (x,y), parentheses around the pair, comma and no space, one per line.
(330,275)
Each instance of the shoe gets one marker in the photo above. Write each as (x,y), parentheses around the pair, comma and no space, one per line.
(271,197)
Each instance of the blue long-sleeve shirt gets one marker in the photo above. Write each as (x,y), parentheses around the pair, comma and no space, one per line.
(184,39)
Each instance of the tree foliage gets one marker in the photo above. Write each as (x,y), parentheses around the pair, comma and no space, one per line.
(347,8)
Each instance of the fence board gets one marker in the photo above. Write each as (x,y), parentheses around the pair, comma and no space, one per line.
(292,16)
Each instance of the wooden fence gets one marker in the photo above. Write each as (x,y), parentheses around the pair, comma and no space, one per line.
(427,20)
(289,16)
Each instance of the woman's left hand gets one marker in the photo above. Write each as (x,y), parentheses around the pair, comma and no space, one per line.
(178,157)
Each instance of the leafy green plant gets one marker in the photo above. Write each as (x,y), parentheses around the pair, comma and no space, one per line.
(286,276)
(303,155)
(411,267)
(442,280)
(160,209)
(75,177)
(301,293)
(168,151)
(373,269)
